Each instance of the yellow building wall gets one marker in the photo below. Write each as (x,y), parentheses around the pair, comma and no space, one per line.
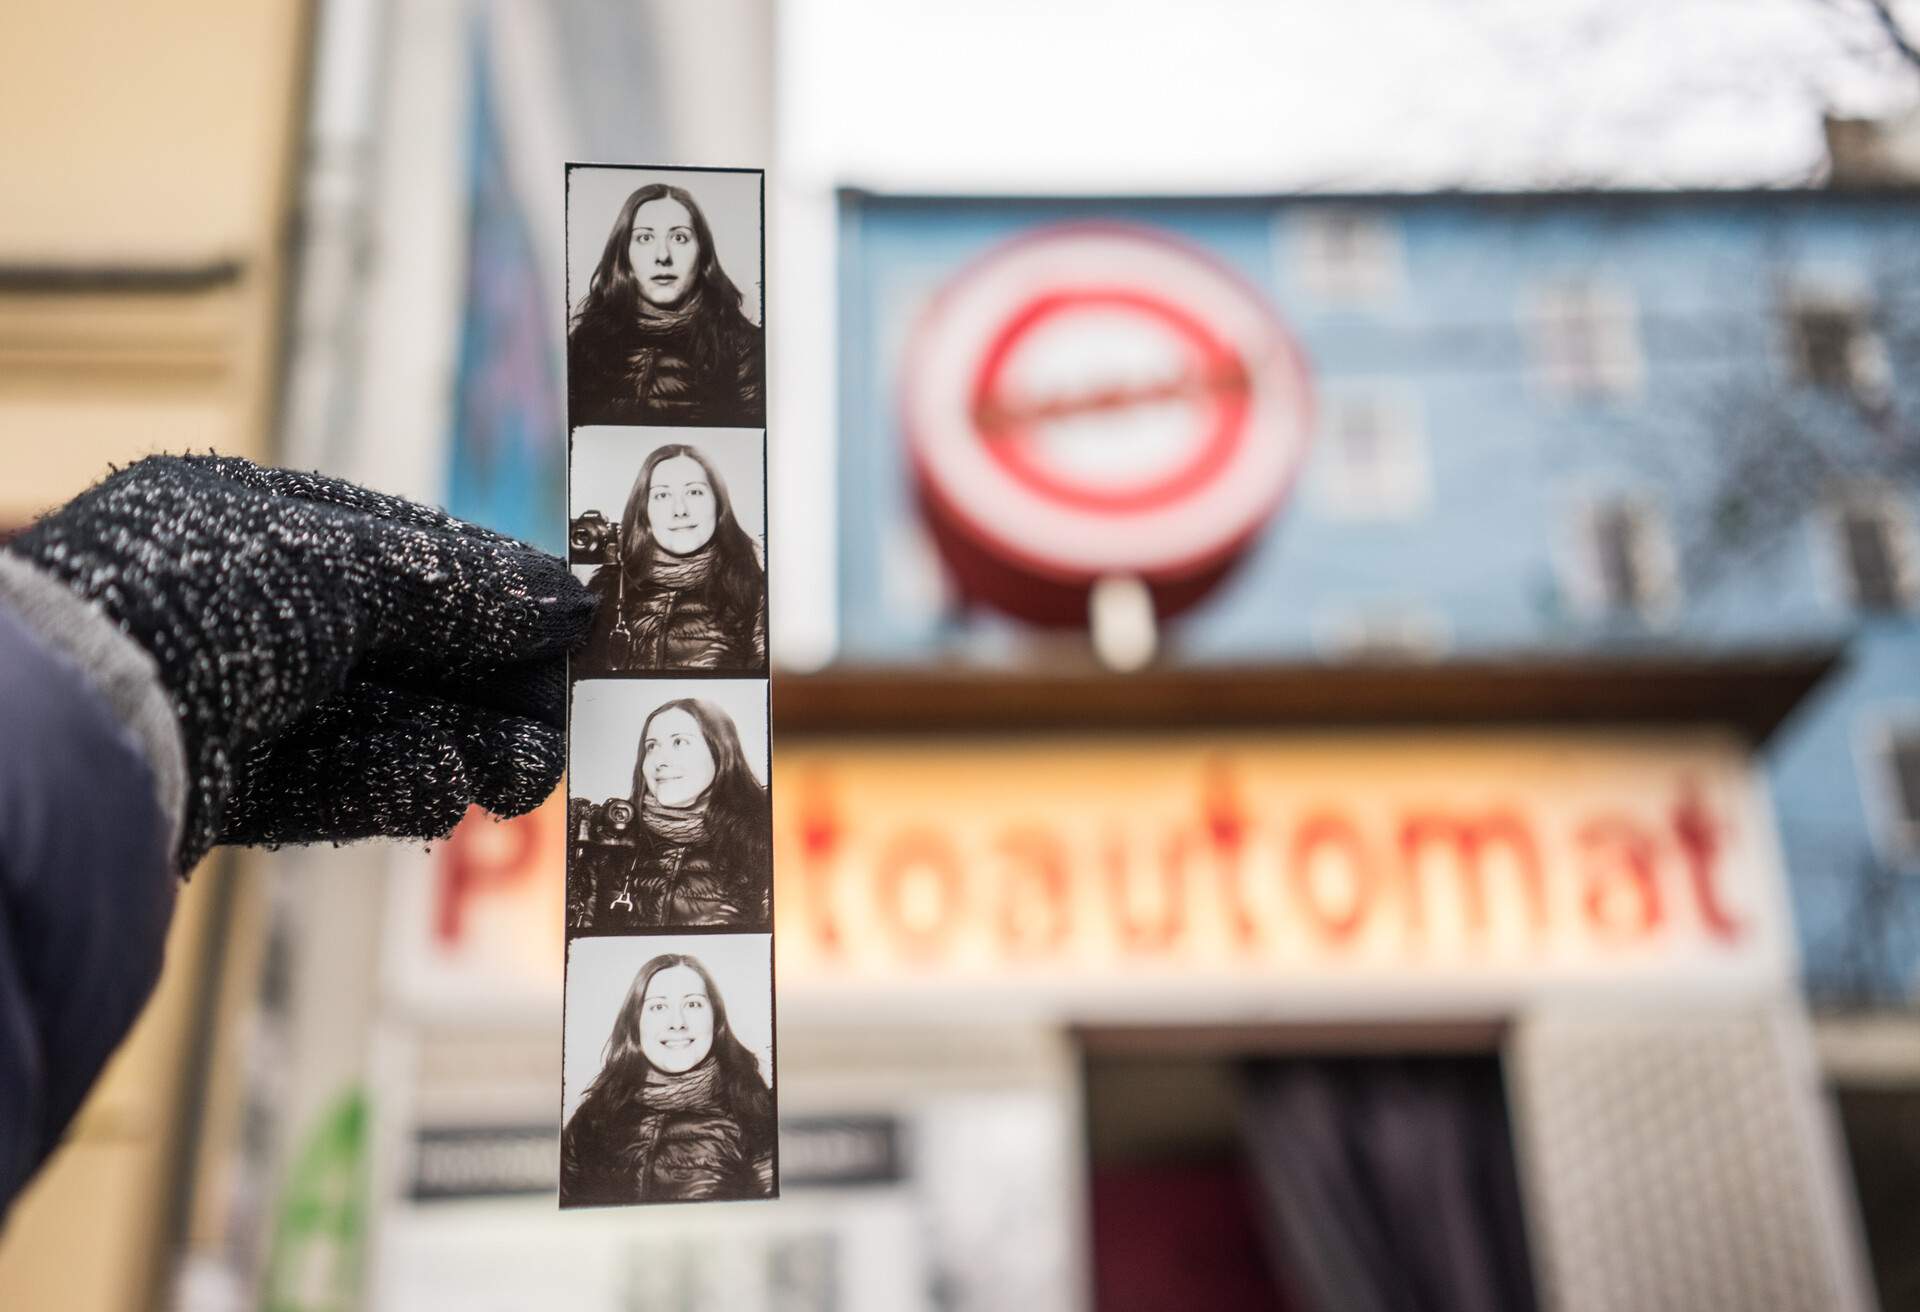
(146,170)
(148,139)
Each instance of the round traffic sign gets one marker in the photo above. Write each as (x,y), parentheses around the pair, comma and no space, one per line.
(1095,400)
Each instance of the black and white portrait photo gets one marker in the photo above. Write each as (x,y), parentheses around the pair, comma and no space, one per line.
(664,297)
(669,822)
(671,539)
(666,1083)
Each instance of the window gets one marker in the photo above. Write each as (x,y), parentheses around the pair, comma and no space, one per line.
(1346,255)
(1905,756)
(1389,634)
(1899,787)
(1623,577)
(1834,346)
(1624,561)
(1586,341)
(1874,543)
(1373,463)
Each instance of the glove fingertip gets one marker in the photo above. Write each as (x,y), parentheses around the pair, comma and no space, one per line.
(517,765)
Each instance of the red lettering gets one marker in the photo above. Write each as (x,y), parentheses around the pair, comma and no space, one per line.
(1034,892)
(920,889)
(1470,840)
(819,830)
(1621,895)
(1167,921)
(1699,835)
(1325,829)
(483,856)
(1477,870)
(1226,823)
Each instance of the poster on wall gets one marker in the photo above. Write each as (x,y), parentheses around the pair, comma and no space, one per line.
(504,456)
(667,1086)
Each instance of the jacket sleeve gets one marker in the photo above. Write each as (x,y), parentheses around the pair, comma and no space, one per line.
(90,786)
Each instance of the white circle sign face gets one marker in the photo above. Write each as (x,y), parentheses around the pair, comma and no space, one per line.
(1100,399)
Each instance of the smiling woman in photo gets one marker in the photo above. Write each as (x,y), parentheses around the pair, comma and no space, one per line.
(679,1111)
(660,337)
(699,848)
(687,591)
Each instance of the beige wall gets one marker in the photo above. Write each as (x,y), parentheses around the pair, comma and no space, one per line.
(151,140)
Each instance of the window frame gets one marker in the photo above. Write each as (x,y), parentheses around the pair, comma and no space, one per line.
(1619,359)
(1895,835)
(1375,279)
(1885,500)
(1343,634)
(1869,379)
(1657,562)
(1405,491)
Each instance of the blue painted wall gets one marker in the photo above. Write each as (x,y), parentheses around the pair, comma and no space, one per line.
(1478,566)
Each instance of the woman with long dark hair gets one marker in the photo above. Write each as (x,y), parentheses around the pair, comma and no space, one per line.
(660,337)
(679,1110)
(688,591)
(700,848)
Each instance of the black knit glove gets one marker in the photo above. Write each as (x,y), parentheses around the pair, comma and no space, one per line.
(343,664)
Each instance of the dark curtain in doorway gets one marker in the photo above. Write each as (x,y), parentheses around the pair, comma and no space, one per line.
(1389,1184)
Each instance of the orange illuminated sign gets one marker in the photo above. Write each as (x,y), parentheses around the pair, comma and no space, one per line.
(1404,861)
(1091,874)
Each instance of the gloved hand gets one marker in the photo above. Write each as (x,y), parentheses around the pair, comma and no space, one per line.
(343,664)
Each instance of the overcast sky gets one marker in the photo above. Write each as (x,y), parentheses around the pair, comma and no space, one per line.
(1234,95)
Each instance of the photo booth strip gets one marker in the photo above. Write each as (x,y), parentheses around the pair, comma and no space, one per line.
(669,1010)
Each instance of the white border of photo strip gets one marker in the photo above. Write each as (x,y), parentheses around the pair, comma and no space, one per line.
(609,705)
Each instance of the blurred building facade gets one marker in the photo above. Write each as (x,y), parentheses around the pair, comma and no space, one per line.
(1471,597)
(1546,425)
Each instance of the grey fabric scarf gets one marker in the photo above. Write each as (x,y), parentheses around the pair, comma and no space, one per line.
(683,826)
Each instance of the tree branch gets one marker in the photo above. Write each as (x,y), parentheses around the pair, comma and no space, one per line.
(1896,33)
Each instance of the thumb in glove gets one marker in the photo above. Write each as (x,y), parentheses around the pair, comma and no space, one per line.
(421,762)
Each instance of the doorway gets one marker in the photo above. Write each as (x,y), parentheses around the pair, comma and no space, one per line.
(1236,1174)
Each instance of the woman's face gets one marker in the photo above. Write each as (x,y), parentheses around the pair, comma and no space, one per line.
(681,507)
(663,250)
(676,1020)
(675,760)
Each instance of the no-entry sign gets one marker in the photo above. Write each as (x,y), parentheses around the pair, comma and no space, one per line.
(1097,400)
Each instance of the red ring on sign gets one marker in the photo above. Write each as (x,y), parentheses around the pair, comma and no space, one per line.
(1223,379)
